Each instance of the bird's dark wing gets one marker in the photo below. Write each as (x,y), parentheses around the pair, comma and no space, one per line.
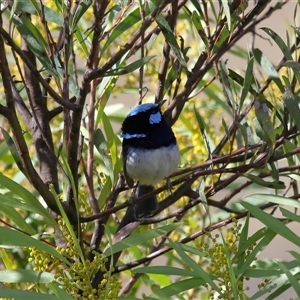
(129,180)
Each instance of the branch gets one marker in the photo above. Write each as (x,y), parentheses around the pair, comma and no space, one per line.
(35,72)
(186,240)
(125,48)
(205,62)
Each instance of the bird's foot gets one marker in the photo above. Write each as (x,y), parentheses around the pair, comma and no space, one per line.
(169,185)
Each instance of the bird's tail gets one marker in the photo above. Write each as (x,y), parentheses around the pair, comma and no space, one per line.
(147,207)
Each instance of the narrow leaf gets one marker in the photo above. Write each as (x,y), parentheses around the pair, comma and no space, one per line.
(10,237)
(261,182)
(122,27)
(268,67)
(272,223)
(130,68)
(139,238)
(169,35)
(293,281)
(266,198)
(264,126)
(22,295)
(16,218)
(28,197)
(243,239)
(81,9)
(280,43)
(13,150)
(20,275)
(196,267)
(35,42)
(165,270)
(247,82)
(227,13)
(291,102)
(264,242)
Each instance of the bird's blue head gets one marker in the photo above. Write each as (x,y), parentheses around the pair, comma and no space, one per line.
(142,120)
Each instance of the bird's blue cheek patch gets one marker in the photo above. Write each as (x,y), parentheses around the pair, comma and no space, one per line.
(155,118)
(127,136)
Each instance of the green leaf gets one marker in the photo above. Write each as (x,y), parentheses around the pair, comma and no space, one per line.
(22,295)
(27,197)
(81,40)
(105,90)
(251,241)
(70,227)
(111,144)
(233,279)
(139,238)
(280,43)
(240,80)
(116,112)
(14,201)
(227,13)
(81,9)
(16,218)
(34,8)
(173,74)
(247,82)
(291,102)
(294,176)
(279,291)
(35,41)
(268,67)
(242,241)
(264,242)
(267,198)
(269,184)
(221,40)
(288,146)
(130,68)
(272,223)
(180,286)
(264,62)
(122,27)
(264,125)
(268,268)
(20,275)
(212,92)
(59,292)
(292,64)
(226,83)
(198,25)
(209,144)
(297,29)
(199,272)
(296,255)
(10,237)
(169,35)
(292,279)
(291,216)
(165,270)
(282,282)
(13,150)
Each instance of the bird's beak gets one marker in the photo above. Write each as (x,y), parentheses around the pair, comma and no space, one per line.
(161,103)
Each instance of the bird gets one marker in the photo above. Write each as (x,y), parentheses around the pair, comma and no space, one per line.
(149,151)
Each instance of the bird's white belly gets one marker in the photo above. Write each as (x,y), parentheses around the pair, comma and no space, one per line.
(150,167)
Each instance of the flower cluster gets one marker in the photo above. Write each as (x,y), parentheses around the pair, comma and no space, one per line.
(222,253)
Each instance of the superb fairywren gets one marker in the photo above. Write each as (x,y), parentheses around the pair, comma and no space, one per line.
(150,152)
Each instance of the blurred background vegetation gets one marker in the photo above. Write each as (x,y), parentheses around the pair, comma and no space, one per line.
(70,71)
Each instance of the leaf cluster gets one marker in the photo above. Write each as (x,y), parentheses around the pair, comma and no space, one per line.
(61,65)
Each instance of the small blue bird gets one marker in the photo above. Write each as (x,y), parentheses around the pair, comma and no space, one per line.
(150,152)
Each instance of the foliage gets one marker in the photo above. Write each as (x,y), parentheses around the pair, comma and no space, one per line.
(68,229)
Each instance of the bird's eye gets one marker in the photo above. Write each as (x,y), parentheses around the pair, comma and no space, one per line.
(155,118)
